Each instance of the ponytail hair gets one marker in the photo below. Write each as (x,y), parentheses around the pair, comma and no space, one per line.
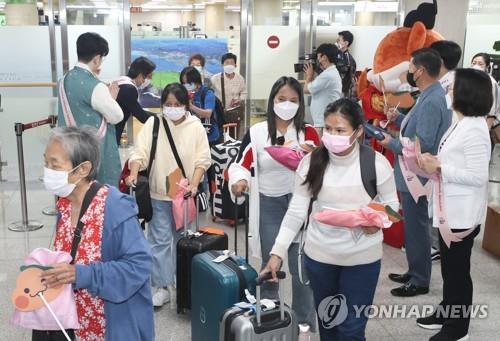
(317,168)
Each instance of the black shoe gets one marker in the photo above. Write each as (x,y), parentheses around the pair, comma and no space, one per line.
(435,256)
(399,278)
(409,290)
(431,322)
(443,336)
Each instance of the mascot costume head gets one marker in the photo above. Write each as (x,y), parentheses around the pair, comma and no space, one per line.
(382,84)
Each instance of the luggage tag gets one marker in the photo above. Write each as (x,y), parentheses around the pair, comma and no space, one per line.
(244,305)
(225,255)
(250,298)
(267,304)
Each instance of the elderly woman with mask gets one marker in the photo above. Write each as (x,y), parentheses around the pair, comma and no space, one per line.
(98,225)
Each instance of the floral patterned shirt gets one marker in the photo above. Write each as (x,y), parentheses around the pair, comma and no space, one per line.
(90,308)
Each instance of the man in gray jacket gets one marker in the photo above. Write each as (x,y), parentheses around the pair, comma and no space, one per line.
(428,120)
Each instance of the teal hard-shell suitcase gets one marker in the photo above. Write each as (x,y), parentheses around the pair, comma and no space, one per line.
(215,287)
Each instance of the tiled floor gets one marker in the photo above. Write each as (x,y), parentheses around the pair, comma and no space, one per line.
(170,326)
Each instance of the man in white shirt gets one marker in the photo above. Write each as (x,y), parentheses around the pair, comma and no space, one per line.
(326,88)
(85,100)
(230,88)
(450,53)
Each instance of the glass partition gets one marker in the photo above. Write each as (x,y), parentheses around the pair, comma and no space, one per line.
(482,32)
(26,94)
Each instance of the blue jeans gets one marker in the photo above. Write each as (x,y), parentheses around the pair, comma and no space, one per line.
(163,237)
(272,212)
(417,239)
(357,283)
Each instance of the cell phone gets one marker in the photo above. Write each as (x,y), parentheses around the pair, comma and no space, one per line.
(374,132)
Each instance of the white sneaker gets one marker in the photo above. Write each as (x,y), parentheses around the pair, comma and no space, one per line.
(173,296)
(304,334)
(160,297)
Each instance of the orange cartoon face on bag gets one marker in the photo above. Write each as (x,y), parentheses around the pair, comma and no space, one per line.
(25,296)
(391,62)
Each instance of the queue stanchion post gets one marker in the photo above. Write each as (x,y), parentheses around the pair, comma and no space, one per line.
(26,225)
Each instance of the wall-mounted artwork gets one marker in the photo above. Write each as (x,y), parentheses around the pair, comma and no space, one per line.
(171,55)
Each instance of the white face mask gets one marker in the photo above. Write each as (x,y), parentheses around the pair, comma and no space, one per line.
(56,182)
(146,83)
(199,68)
(190,87)
(174,113)
(286,110)
(229,69)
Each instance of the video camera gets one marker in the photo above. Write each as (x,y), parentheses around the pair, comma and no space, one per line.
(308,58)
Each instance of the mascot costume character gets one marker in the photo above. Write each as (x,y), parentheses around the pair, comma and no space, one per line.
(383,84)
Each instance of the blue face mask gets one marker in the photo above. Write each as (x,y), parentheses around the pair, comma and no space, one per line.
(190,87)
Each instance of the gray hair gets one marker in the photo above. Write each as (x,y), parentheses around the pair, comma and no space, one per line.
(81,144)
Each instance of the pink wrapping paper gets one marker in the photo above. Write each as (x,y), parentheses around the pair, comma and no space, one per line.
(288,157)
(410,158)
(364,217)
(178,206)
(64,305)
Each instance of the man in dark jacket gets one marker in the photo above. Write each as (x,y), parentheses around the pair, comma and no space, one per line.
(138,77)
(346,64)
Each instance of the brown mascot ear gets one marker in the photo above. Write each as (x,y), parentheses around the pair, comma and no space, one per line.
(417,38)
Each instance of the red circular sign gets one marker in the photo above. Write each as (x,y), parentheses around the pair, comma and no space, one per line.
(273,42)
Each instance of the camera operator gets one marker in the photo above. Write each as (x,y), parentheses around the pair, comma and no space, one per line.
(326,88)
(346,64)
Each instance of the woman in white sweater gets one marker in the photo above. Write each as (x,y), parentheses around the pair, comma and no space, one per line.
(192,146)
(343,264)
(271,184)
(460,199)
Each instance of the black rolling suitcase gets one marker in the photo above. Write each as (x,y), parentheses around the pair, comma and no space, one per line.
(191,244)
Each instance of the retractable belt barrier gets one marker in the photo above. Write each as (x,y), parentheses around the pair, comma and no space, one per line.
(26,225)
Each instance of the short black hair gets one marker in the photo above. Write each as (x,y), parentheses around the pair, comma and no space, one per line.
(330,51)
(141,66)
(449,51)
(347,36)
(179,91)
(192,75)
(429,59)
(89,45)
(472,92)
(227,56)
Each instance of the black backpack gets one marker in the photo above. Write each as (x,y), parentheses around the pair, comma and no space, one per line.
(368,170)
